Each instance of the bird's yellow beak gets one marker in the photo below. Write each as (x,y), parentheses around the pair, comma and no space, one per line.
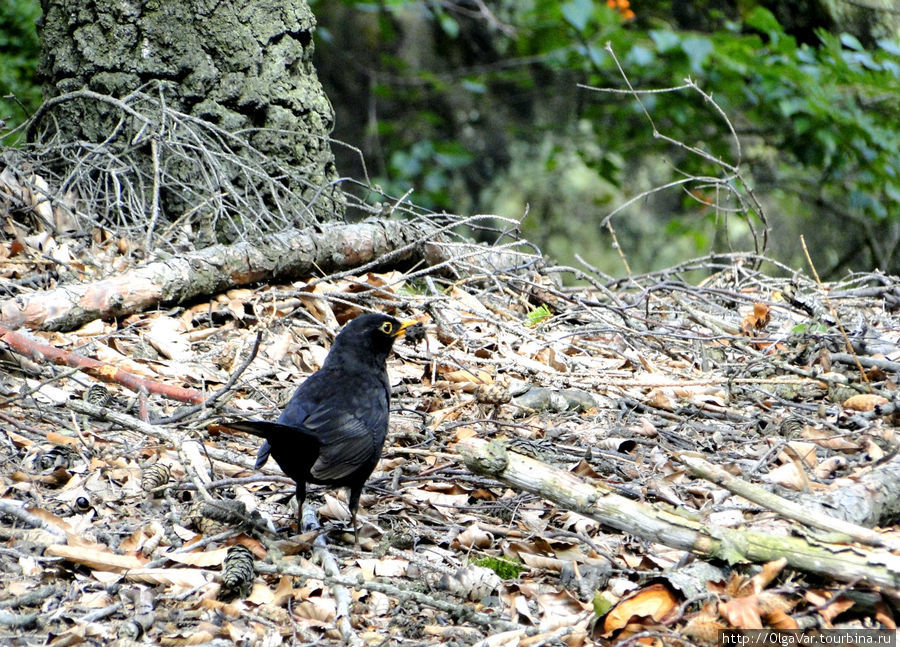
(403,326)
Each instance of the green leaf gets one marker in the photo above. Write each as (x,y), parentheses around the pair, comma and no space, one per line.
(448,25)
(601,605)
(698,50)
(890,46)
(577,13)
(851,42)
(538,315)
(664,40)
(763,20)
(640,56)
(474,86)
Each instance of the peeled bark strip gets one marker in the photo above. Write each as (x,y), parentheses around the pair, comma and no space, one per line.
(30,347)
(842,562)
(285,255)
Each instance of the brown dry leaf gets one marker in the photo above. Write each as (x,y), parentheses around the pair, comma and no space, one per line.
(443,503)
(59,439)
(462,433)
(164,334)
(316,608)
(196,637)
(393,567)
(774,610)
(703,630)
(655,602)
(864,402)
(742,613)
(182,577)
(549,357)
(806,452)
(542,561)
(95,558)
(202,559)
(278,347)
(473,537)
(828,440)
(511,638)
(829,608)
(585,469)
(829,467)
(646,429)
(39,199)
(94,328)
(515,597)
(468,377)
(261,593)
(873,452)
(705,626)
(770,570)
(788,475)
(560,609)
(659,399)
(757,320)
(333,508)
(884,616)
(115,359)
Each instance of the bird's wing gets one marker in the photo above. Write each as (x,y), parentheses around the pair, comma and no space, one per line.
(349,435)
(278,433)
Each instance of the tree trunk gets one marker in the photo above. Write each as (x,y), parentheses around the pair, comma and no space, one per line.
(244,67)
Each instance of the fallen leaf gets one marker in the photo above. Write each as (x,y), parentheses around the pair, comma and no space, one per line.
(655,602)
(864,402)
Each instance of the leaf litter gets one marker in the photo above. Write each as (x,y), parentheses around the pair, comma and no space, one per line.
(103,537)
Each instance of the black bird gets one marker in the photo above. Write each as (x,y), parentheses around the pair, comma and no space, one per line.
(333,428)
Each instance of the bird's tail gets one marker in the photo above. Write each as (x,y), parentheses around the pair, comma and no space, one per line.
(280,434)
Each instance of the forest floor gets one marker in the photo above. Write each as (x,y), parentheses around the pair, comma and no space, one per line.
(629,388)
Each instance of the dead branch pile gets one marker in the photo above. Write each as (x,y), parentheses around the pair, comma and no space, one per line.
(164,180)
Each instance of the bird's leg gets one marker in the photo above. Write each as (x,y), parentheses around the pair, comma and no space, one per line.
(301,497)
(353,503)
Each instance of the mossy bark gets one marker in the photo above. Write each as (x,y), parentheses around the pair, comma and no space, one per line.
(244,66)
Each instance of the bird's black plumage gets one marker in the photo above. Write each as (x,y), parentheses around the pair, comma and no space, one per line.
(333,428)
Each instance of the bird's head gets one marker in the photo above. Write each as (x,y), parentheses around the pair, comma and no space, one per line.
(368,338)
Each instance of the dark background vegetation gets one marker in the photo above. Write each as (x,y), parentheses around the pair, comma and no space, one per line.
(476,106)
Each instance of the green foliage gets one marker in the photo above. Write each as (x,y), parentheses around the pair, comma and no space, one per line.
(19,51)
(428,165)
(506,569)
(817,122)
(538,315)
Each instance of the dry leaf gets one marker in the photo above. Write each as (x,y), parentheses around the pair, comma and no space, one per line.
(829,608)
(473,537)
(183,577)
(864,402)
(788,475)
(164,334)
(372,568)
(472,582)
(95,558)
(655,602)
(203,559)
(806,452)
(742,613)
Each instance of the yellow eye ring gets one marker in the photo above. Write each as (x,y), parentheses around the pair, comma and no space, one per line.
(387,327)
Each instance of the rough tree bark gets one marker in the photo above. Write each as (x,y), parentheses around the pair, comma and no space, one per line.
(244,66)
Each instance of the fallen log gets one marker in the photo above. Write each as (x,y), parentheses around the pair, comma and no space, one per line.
(675,528)
(286,255)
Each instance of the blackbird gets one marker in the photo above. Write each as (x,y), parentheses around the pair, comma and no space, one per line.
(333,428)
